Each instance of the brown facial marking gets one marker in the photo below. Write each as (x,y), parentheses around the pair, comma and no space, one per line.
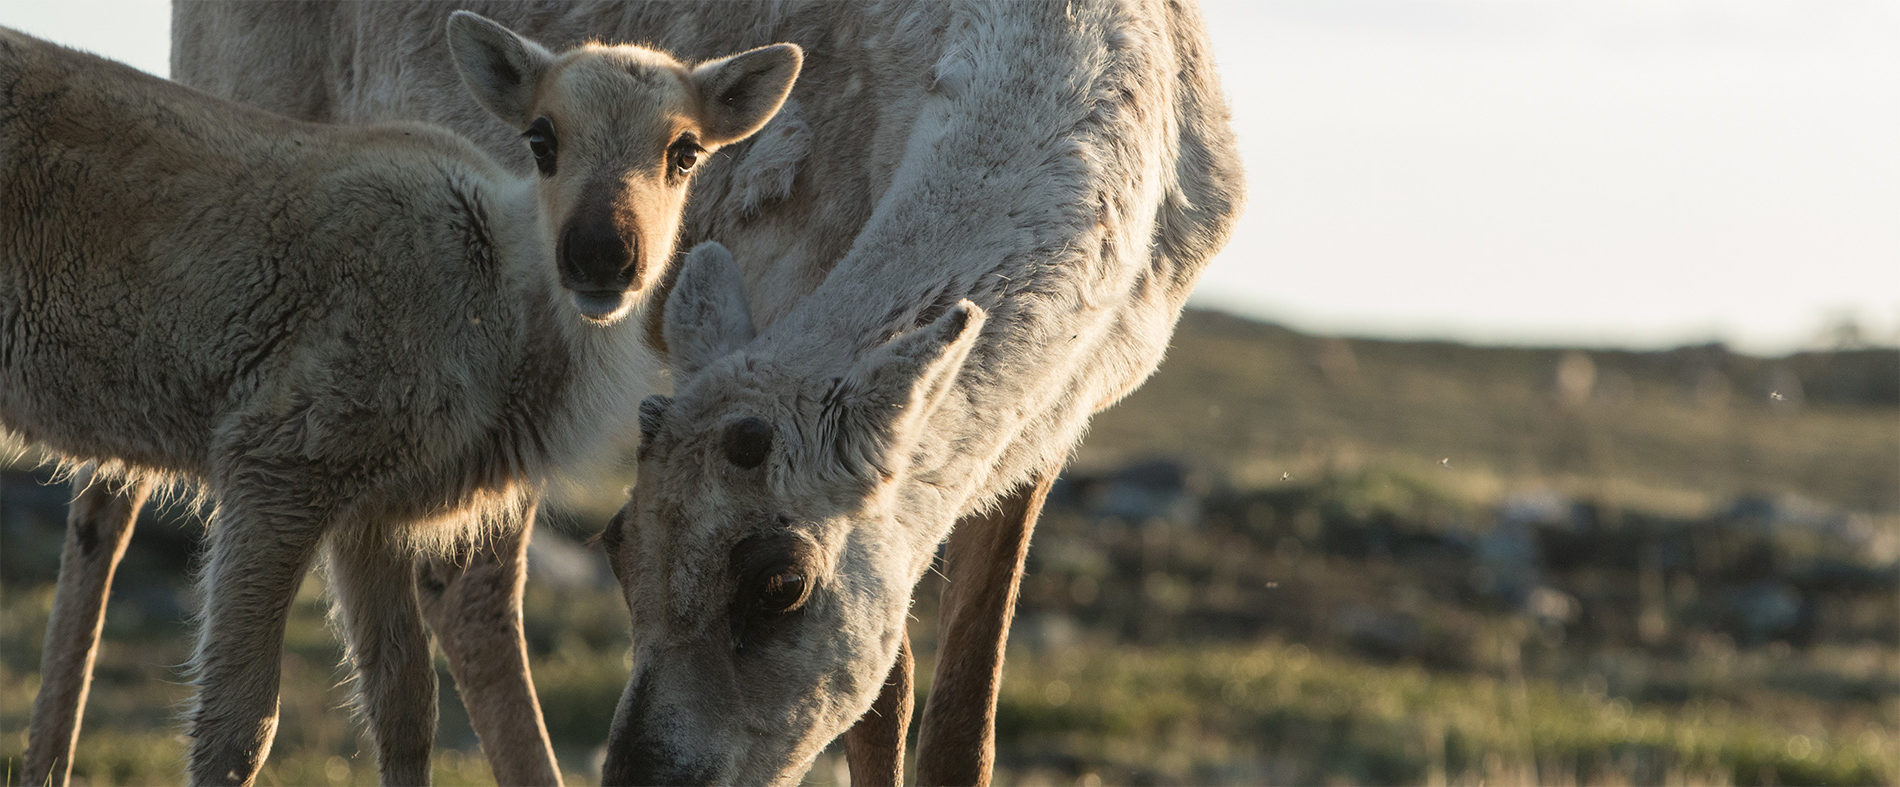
(773,572)
(599,246)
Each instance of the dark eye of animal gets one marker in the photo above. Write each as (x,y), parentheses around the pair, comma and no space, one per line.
(772,579)
(541,143)
(684,156)
(783,591)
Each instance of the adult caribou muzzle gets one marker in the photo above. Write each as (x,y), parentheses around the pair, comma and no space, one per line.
(636,755)
(598,254)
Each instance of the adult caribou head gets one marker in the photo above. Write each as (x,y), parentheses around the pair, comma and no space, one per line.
(760,553)
(613,214)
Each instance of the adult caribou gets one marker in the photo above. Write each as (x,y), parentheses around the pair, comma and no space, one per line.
(1066,167)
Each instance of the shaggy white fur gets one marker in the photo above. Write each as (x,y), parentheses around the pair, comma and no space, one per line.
(1065,169)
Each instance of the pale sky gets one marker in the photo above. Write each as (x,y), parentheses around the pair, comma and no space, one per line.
(1606,172)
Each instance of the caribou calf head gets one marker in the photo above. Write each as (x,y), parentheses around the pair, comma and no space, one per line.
(761,554)
(616,133)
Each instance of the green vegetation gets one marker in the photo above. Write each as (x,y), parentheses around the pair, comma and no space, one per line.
(1364,562)
(1208,714)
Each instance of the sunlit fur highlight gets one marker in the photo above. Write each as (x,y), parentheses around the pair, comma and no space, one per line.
(1067,167)
(350,339)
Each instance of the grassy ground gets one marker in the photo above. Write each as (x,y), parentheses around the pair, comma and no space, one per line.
(1283,713)
(1313,618)
(1227,713)
(1267,711)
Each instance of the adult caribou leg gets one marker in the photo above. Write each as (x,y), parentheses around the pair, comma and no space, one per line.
(98,528)
(473,602)
(983,564)
(874,747)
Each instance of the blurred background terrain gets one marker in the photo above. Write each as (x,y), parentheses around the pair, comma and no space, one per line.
(1287,558)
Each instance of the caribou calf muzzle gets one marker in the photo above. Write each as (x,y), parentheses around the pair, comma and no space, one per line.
(599,259)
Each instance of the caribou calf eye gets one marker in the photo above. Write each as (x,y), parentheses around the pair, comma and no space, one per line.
(685,156)
(541,143)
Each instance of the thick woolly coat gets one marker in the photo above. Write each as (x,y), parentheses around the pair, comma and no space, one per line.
(1067,168)
(336,314)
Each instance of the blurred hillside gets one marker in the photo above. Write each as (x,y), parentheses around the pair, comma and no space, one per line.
(1678,428)
(1286,559)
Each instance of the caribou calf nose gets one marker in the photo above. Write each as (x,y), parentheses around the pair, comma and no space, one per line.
(596,257)
(598,264)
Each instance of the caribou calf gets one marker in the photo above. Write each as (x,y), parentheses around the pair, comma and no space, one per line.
(361,341)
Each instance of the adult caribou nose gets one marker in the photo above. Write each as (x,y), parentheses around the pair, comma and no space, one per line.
(642,768)
(599,262)
(636,756)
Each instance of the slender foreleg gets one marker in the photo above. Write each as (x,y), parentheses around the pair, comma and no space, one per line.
(473,602)
(373,581)
(874,747)
(98,528)
(984,564)
(257,558)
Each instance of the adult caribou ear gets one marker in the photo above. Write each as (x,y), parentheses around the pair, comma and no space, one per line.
(706,314)
(499,67)
(883,401)
(741,92)
(652,414)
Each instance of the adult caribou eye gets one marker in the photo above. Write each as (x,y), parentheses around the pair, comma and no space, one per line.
(540,137)
(773,579)
(783,591)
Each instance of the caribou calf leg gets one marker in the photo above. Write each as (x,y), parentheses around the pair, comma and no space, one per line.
(983,565)
(473,602)
(98,528)
(257,555)
(373,582)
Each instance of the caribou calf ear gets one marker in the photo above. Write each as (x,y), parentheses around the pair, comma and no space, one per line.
(706,314)
(743,91)
(499,67)
(888,394)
